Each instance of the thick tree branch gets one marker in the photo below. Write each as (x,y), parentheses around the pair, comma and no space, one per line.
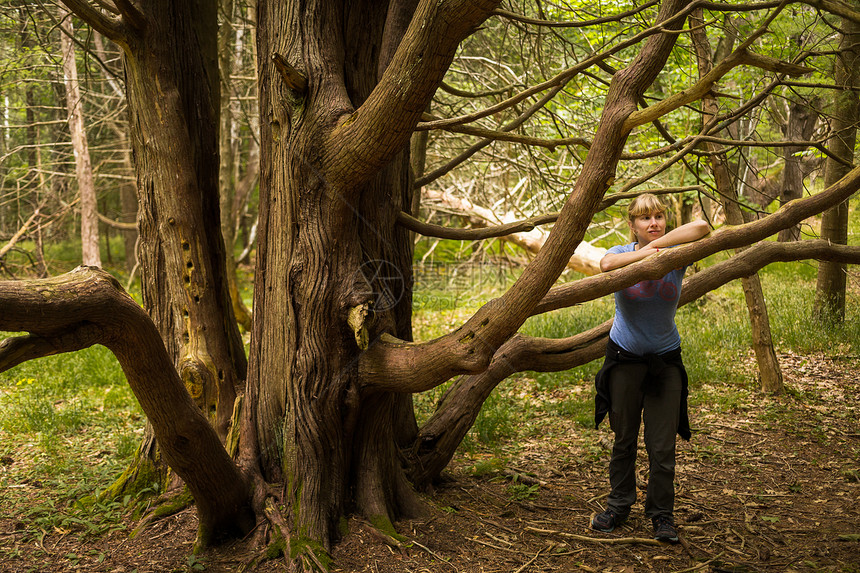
(107,26)
(372,135)
(88,306)
(720,240)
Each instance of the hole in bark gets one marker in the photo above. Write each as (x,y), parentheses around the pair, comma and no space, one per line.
(196,298)
(189,264)
(185,246)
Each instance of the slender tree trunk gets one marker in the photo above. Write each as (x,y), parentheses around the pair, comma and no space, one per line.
(769,368)
(800,125)
(830,289)
(231,41)
(83,167)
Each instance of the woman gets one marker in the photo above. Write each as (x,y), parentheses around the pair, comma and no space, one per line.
(643,375)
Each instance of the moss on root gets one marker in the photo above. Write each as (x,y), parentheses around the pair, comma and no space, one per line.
(385,526)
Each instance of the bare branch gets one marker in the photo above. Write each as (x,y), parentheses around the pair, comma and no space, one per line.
(473,234)
(559,80)
(497,135)
(699,89)
(577,24)
(18,234)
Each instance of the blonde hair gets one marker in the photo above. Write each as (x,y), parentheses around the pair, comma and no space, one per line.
(644,204)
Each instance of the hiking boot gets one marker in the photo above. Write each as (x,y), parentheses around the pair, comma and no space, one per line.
(607,521)
(664,529)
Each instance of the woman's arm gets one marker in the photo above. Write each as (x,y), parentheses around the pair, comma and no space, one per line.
(612,261)
(687,233)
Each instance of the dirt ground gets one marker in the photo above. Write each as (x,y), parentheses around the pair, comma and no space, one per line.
(774,486)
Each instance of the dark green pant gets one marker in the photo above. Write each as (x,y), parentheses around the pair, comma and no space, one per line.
(659,409)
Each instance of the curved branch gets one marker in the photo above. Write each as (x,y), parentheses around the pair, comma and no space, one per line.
(448,88)
(372,134)
(88,306)
(430,230)
(836,8)
(498,135)
(739,58)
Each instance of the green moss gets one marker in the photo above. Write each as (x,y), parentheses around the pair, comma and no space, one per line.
(343,526)
(312,548)
(175,505)
(140,479)
(276,547)
(383,524)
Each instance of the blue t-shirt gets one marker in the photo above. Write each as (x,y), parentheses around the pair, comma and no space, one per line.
(645,312)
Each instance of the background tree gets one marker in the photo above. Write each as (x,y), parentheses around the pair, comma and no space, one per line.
(83,165)
(830,291)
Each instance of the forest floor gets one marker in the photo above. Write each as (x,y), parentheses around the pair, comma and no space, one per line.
(770,486)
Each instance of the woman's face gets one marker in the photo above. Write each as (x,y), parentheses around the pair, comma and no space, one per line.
(648,227)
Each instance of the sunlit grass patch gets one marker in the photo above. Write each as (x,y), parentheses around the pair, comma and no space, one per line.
(68,427)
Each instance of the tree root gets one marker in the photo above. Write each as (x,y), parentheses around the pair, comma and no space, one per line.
(165,506)
(606,540)
(300,553)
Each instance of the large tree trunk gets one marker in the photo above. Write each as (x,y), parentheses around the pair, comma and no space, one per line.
(768,365)
(83,167)
(170,60)
(333,271)
(830,289)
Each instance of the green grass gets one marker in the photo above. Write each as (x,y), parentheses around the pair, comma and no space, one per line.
(69,425)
